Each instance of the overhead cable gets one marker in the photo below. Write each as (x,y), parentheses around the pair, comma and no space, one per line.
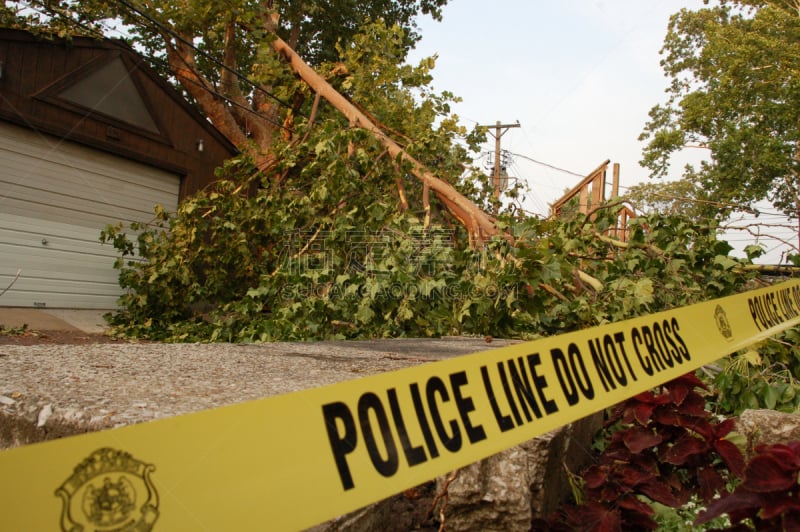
(159,26)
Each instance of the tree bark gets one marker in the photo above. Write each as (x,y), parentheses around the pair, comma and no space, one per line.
(244,126)
(182,64)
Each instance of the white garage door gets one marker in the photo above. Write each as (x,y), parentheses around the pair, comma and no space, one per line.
(55,198)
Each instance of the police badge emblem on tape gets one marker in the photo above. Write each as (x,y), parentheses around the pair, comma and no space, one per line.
(109,491)
(723,323)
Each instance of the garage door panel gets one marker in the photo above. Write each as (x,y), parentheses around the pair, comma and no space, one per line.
(21,227)
(53,179)
(61,195)
(76,209)
(50,299)
(78,218)
(70,274)
(77,159)
(29,243)
(42,285)
(51,263)
(51,219)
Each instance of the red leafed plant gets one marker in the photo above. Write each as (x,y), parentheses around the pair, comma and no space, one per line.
(663,447)
(769,494)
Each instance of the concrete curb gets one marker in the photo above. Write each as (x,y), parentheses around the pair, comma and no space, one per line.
(87,321)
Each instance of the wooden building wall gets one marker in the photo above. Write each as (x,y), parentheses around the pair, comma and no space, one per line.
(33,71)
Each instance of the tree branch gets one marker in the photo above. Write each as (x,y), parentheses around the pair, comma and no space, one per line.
(479,224)
(401,192)
(229,82)
(183,65)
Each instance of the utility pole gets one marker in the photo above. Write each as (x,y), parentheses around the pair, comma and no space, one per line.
(499,131)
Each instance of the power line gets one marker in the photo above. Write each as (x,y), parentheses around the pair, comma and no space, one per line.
(761,212)
(538,201)
(691,200)
(547,165)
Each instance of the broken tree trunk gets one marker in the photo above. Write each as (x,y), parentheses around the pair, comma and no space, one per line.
(478,223)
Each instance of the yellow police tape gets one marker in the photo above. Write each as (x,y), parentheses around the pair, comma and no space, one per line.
(296,460)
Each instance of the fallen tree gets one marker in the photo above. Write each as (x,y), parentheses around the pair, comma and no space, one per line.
(478,223)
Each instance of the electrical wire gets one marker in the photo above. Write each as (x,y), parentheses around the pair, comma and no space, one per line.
(761,212)
(691,200)
(161,27)
(538,202)
(552,167)
(782,235)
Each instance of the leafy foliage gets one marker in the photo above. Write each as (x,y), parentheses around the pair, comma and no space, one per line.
(320,26)
(662,447)
(734,90)
(769,496)
(331,263)
(312,27)
(764,376)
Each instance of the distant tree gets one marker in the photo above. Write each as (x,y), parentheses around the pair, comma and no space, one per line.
(734,69)
(680,197)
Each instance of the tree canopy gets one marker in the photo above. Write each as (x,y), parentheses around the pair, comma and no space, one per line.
(734,71)
(680,197)
(219,51)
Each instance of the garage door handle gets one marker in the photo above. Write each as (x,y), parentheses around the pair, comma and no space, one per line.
(45,242)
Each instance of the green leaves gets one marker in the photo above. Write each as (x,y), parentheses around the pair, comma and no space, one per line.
(761,377)
(269,267)
(735,91)
(643,291)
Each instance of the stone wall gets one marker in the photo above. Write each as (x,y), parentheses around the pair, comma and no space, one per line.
(501,493)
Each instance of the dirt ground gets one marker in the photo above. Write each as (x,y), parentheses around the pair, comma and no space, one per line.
(72,337)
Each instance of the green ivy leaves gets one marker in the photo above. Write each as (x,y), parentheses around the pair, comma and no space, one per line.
(223,269)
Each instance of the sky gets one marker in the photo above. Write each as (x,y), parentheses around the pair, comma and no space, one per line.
(580,76)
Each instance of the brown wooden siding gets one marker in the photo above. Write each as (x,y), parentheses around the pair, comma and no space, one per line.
(34,69)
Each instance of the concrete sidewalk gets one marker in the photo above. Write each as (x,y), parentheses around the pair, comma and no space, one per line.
(87,321)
